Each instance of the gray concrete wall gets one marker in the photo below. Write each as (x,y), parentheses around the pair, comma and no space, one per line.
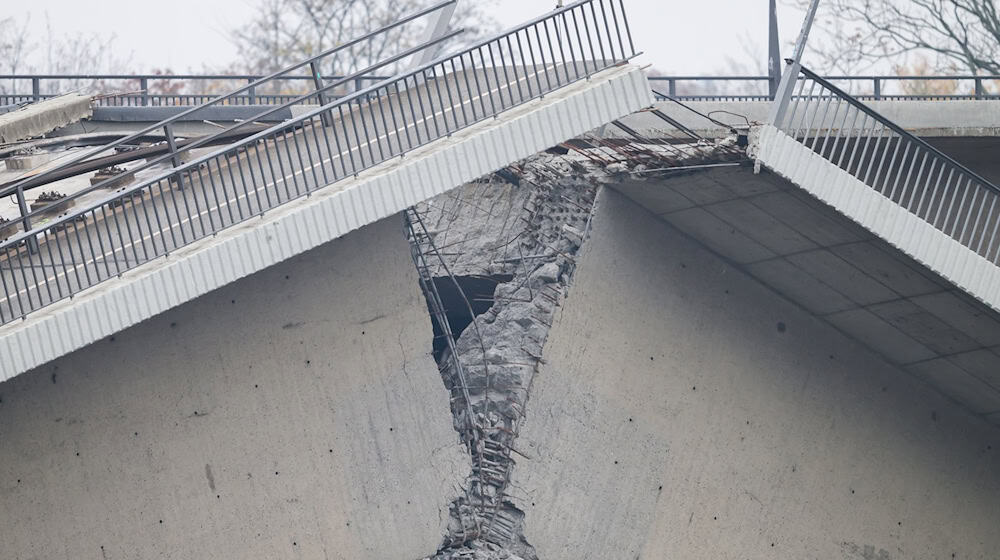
(685,411)
(295,413)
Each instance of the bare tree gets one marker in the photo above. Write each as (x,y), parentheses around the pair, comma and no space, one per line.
(14,47)
(747,60)
(951,35)
(79,53)
(285,31)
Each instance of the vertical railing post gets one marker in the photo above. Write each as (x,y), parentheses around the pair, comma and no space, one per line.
(144,86)
(774,54)
(979,88)
(252,92)
(22,206)
(317,78)
(672,87)
(878,88)
(436,28)
(36,89)
(175,158)
(784,94)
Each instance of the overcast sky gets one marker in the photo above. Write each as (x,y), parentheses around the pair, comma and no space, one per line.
(678,36)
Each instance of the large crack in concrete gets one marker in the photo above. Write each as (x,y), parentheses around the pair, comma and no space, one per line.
(519,230)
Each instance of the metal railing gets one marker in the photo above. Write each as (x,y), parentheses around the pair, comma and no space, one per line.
(868,88)
(135,90)
(169,90)
(322,90)
(898,165)
(292,159)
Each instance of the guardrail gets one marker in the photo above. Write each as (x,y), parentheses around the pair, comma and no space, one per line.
(157,90)
(893,162)
(687,88)
(868,88)
(295,158)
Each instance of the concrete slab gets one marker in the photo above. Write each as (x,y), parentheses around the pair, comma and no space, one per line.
(805,218)
(843,277)
(924,327)
(958,384)
(44,116)
(954,308)
(983,364)
(883,265)
(719,235)
(702,188)
(761,226)
(799,286)
(658,198)
(880,336)
(24,163)
(743,184)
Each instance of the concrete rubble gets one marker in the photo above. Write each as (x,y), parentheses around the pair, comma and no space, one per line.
(44,116)
(527,234)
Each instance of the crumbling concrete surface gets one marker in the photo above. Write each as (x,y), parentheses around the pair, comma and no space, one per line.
(523,236)
(44,116)
(682,410)
(296,413)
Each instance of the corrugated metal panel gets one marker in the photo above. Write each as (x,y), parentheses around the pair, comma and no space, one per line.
(330,213)
(893,223)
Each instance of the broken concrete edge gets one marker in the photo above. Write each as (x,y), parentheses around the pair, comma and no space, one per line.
(27,162)
(902,229)
(500,349)
(328,214)
(44,116)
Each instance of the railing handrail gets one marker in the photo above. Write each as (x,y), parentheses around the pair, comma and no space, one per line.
(247,87)
(291,123)
(208,139)
(857,104)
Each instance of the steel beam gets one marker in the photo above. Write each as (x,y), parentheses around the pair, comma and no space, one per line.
(784,93)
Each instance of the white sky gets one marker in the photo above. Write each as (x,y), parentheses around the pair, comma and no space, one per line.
(678,36)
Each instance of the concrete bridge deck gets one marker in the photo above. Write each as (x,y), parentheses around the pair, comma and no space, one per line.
(129,297)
